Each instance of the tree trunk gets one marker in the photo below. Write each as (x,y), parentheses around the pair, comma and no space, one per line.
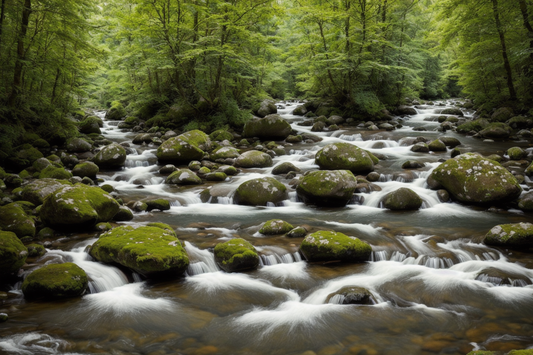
(21,53)
(2,16)
(529,28)
(506,63)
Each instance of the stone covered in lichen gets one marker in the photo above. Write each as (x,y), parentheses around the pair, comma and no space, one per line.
(110,156)
(225,153)
(55,281)
(221,135)
(36,250)
(345,156)
(276,226)
(327,188)
(402,199)
(78,206)
(272,127)
(236,255)
(184,148)
(13,253)
(148,250)
(259,192)
(88,169)
(515,235)
(473,179)
(334,246)
(254,159)
(14,218)
(53,172)
(38,190)
(183,177)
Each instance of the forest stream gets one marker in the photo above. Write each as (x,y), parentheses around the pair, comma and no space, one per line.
(436,287)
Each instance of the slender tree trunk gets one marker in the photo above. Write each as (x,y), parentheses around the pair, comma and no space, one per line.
(529,28)
(2,16)
(21,53)
(506,63)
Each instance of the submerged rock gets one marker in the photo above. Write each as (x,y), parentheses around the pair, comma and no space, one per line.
(516,235)
(276,226)
(345,156)
(148,250)
(334,246)
(327,188)
(55,281)
(271,126)
(351,295)
(471,178)
(13,254)
(259,192)
(78,206)
(236,255)
(402,199)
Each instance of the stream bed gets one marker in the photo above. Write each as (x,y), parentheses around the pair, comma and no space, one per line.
(438,288)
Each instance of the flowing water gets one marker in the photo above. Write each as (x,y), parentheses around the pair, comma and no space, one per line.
(437,288)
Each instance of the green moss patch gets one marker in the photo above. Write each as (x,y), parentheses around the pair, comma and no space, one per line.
(55,281)
(236,255)
(334,246)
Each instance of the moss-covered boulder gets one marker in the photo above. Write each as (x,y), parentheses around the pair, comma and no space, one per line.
(450,141)
(216,176)
(345,156)
(437,146)
(41,163)
(88,169)
(327,188)
(55,281)
(453,111)
(148,250)
(183,177)
(78,145)
(78,206)
(221,135)
(267,107)
(53,172)
(502,114)
(14,218)
(298,232)
(225,153)
(254,159)
(334,246)
(276,226)
(515,235)
(90,125)
(525,202)
(260,192)
(123,214)
(13,254)
(271,127)
(471,178)
(37,190)
(516,153)
(157,204)
(25,156)
(299,110)
(402,199)
(184,148)
(236,255)
(36,250)
(116,111)
(110,156)
(285,168)
(496,130)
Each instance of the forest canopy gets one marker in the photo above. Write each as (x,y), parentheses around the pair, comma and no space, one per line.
(208,63)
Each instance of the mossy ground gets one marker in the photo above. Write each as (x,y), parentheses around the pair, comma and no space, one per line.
(147,249)
(236,255)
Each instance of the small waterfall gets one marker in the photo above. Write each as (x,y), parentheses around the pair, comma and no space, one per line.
(101,277)
(202,261)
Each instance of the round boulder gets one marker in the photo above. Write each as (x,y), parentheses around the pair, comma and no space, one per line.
(333,246)
(183,177)
(345,156)
(184,148)
(110,156)
(148,250)
(516,235)
(236,255)
(13,253)
(327,188)
(55,281)
(14,218)
(402,199)
(88,169)
(275,226)
(471,178)
(254,159)
(271,126)
(260,192)
(78,206)
(225,153)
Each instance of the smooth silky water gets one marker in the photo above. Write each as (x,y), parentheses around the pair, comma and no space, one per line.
(438,288)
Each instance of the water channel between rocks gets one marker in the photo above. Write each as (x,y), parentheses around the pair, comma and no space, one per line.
(438,288)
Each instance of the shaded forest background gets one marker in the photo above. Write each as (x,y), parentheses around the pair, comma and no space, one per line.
(187,64)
